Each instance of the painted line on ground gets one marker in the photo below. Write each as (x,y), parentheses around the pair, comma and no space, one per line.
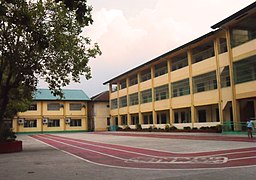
(112,156)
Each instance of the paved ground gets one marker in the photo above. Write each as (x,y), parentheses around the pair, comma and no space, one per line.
(131,156)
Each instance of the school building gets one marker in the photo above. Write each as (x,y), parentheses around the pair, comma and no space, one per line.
(49,114)
(98,114)
(208,81)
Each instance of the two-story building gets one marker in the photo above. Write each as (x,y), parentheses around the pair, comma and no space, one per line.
(48,113)
(208,81)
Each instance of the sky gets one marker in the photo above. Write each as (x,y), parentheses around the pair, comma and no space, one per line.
(130,33)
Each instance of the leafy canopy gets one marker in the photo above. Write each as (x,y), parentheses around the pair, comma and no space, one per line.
(41,39)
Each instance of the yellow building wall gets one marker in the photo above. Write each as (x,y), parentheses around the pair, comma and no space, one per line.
(146,107)
(181,102)
(204,66)
(133,89)
(244,50)
(161,80)
(223,59)
(246,90)
(145,85)
(180,74)
(161,105)
(42,112)
(205,98)
(133,109)
(101,113)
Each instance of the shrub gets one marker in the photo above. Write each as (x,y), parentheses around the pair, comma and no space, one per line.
(167,127)
(138,127)
(173,128)
(219,128)
(126,128)
(195,128)
(7,134)
(187,128)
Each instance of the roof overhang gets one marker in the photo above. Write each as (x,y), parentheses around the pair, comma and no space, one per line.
(237,16)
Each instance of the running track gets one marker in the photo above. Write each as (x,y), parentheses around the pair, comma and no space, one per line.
(130,157)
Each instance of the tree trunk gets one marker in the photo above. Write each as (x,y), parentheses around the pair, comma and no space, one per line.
(3,104)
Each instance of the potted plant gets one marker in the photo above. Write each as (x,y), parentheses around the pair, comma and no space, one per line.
(8,142)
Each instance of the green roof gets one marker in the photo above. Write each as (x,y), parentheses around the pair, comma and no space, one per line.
(69,95)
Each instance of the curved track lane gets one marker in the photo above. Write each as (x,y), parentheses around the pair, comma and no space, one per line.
(131,157)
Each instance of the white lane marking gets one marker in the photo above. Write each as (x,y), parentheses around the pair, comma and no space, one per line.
(251,157)
(156,159)
(85,149)
(180,160)
(150,169)
(101,146)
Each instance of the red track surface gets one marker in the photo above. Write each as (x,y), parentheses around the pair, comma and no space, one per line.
(131,157)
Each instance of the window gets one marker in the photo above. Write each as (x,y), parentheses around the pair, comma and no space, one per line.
(124,120)
(203,52)
(75,106)
(243,31)
(205,82)
(201,115)
(180,88)
(161,69)
(200,87)
(162,118)
(224,77)
(108,121)
(135,119)
(176,117)
(245,70)
(30,123)
(53,123)
(145,75)
(123,101)
(179,62)
(53,106)
(222,45)
(146,96)
(116,120)
(161,92)
(33,107)
(113,88)
(147,119)
(217,115)
(123,84)
(133,80)
(75,122)
(114,104)
(133,99)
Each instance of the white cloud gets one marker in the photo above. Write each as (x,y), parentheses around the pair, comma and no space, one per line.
(128,40)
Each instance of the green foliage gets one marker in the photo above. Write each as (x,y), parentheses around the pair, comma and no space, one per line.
(138,127)
(41,39)
(6,134)
(126,128)
(187,128)
(172,128)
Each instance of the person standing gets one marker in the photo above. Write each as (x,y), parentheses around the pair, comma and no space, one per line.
(250,128)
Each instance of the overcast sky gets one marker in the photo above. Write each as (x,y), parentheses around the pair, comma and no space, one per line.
(132,32)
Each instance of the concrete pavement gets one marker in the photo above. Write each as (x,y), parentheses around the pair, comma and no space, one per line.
(40,161)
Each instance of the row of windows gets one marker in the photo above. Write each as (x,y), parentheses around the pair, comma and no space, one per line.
(198,54)
(57,106)
(244,71)
(32,123)
(181,116)
(201,83)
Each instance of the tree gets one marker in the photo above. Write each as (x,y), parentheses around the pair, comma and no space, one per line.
(41,39)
